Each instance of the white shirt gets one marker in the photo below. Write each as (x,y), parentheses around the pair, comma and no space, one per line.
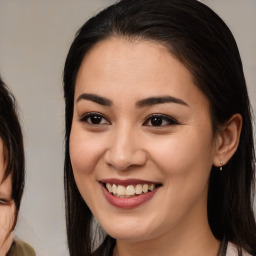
(232,251)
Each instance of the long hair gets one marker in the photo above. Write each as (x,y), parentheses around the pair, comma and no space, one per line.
(198,38)
(11,135)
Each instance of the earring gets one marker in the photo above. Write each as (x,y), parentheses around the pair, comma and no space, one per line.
(221,164)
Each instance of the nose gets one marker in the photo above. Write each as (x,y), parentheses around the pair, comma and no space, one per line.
(125,150)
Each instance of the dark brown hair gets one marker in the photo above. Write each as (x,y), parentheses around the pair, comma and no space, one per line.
(11,134)
(204,44)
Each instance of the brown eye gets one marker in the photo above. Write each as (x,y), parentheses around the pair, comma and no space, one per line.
(94,119)
(157,120)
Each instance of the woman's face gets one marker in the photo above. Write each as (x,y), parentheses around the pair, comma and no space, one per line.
(142,130)
(7,207)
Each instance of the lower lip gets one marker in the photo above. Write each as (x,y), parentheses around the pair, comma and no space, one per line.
(127,203)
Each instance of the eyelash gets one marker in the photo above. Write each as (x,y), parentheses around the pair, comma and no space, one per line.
(159,118)
(86,117)
(4,202)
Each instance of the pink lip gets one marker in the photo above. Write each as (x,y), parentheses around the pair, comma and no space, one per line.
(127,203)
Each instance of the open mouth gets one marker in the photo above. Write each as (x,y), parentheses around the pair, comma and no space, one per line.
(128,191)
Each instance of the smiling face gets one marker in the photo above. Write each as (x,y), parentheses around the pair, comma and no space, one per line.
(7,207)
(141,142)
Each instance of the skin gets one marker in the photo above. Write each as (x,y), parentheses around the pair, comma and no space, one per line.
(125,145)
(7,207)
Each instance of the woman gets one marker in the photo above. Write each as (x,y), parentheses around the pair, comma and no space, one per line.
(11,175)
(159,143)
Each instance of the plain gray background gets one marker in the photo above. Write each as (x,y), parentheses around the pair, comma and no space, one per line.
(35,36)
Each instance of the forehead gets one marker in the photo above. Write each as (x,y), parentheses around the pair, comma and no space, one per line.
(125,59)
(121,65)
(125,51)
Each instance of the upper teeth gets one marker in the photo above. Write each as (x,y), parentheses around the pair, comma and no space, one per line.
(130,190)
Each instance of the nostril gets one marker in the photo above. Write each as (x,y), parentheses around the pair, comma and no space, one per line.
(122,160)
(118,160)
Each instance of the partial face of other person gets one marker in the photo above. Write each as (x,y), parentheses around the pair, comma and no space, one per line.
(7,206)
(141,143)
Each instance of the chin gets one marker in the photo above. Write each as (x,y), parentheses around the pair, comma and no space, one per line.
(129,237)
(128,232)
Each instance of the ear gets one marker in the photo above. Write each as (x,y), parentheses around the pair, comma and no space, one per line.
(227,140)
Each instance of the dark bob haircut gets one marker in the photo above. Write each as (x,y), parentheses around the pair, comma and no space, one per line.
(199,39)
(11,135)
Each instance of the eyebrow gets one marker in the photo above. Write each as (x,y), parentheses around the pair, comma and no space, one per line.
(141,103)
(160,100)
(95,98)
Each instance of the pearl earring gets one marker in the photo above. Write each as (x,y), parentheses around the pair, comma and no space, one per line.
(221,164)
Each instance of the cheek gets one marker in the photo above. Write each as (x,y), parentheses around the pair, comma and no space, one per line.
(85,151)
(185,154)
(185,164)
(6,221)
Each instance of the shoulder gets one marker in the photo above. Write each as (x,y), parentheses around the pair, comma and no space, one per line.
(20,248)
(232,250)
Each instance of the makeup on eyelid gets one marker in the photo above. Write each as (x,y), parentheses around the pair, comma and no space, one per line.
(147,103)
(154,120)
